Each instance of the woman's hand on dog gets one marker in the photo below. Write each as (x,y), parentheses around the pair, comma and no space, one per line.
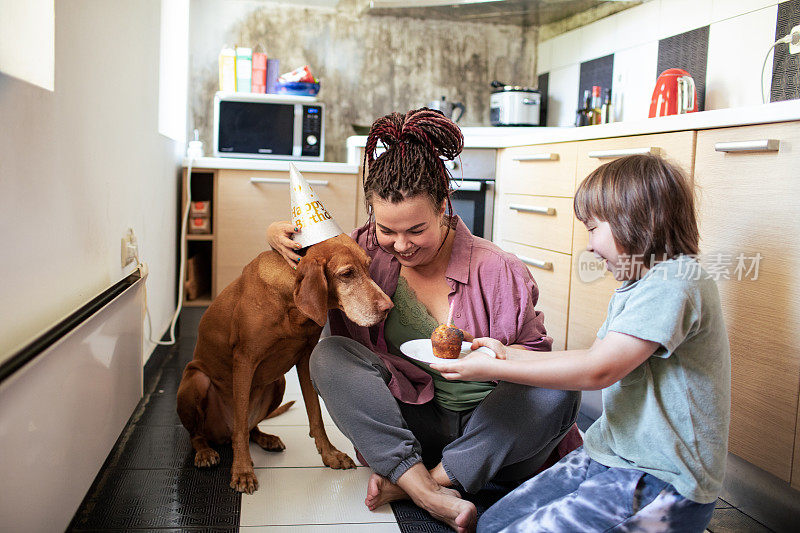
(279,237)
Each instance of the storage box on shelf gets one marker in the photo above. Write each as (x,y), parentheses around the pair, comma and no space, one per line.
(245,202)
(749,213)
(200,249)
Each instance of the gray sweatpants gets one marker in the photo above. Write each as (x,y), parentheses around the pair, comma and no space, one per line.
(506,438)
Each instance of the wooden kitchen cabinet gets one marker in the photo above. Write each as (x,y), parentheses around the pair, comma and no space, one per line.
(533,220)
(589,292)
(551,271)
(245,202)
(748,212)
(749,209)
(249,201)
(542,221)
(542,170)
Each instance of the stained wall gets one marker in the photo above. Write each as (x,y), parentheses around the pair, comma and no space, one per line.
(368,66)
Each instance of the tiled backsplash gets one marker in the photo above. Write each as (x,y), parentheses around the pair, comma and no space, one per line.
(721,43)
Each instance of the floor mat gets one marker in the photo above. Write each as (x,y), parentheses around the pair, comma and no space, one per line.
(149,481)
(413,519)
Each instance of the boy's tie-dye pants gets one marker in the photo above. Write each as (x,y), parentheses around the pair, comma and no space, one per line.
(581,495)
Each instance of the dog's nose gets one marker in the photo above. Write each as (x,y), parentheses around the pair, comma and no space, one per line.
(385,304)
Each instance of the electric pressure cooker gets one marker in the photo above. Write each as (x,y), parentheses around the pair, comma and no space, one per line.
(514,106)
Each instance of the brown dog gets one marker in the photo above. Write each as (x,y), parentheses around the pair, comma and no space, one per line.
(264,323)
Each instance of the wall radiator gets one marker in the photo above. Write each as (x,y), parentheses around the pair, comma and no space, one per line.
(64,400)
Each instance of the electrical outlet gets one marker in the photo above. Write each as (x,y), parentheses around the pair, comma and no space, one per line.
(130,248)
(794,43)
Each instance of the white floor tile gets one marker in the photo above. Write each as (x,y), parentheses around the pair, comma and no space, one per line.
(317,496)
(292,383)
(381,527)
(300,449)
(296,415)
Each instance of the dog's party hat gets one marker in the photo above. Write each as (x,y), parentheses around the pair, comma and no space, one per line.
(308,213)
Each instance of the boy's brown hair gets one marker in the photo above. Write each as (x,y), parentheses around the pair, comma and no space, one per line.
(648,203)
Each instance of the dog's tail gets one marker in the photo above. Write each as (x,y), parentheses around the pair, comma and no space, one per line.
(280,410)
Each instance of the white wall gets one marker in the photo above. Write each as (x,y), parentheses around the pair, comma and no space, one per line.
(741,32)
(80,165)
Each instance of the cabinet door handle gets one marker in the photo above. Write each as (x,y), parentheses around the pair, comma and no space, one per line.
(472,186)
(537,263)
(607,154)
(537,157)
(550,211)
(760,145)
(285,181)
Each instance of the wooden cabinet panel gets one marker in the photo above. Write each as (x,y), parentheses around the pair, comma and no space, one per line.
(542,221)
(750,205)
(551,272)
(544,170)
(591,288)
(245,208)
(678,147)
(590,292)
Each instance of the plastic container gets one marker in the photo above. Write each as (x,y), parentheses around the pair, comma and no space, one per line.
(297,88)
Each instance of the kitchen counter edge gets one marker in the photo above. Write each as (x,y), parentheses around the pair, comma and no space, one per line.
(499,137)
(280,165)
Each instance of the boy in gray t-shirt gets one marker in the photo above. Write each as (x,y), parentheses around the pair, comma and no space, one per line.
(681,394)
(655,459)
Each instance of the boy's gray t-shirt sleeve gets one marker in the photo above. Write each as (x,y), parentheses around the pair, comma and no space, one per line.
(650,312)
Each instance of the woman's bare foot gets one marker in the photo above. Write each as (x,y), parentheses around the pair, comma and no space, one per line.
(442,503)
(459,514)
(380,491)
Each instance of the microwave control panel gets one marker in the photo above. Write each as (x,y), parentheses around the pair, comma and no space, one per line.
(312,130)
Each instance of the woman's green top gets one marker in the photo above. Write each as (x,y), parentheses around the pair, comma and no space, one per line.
(410,319)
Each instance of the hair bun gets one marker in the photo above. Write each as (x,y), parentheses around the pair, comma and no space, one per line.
(388,130)
(433,130)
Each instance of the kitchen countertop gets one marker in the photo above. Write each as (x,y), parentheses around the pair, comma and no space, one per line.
(241,163)
(499,137)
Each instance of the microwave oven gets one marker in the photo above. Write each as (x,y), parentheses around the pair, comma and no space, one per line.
(269,126)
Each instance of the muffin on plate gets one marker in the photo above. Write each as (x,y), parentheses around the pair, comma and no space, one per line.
(446,341)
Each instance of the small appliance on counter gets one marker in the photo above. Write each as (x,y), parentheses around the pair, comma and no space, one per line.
(448,108)
(514,106)
(674,94)
(269,126)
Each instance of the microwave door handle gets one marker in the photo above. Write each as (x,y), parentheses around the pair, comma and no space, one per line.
(285,181)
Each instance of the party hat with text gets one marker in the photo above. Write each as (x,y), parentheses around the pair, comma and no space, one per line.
(308,213)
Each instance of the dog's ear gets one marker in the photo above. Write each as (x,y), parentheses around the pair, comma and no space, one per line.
(311,290)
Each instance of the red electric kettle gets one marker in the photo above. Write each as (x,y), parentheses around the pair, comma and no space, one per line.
(674,94)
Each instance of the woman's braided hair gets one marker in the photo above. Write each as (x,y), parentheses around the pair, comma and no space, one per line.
(417,144)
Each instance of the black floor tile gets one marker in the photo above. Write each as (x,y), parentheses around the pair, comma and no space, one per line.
(732,520)
(149,481)
(169,498)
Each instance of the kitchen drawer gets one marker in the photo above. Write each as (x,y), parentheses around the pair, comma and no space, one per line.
(749,205)
(551,272)
(544,170)
(591,288)
(246,206)
(541,221)
(677,147)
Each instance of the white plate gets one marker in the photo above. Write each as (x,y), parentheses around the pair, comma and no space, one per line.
(422,350)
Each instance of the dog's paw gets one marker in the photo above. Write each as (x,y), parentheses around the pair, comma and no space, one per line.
(206,458)
(338,460)
(244,482)
(271,443)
